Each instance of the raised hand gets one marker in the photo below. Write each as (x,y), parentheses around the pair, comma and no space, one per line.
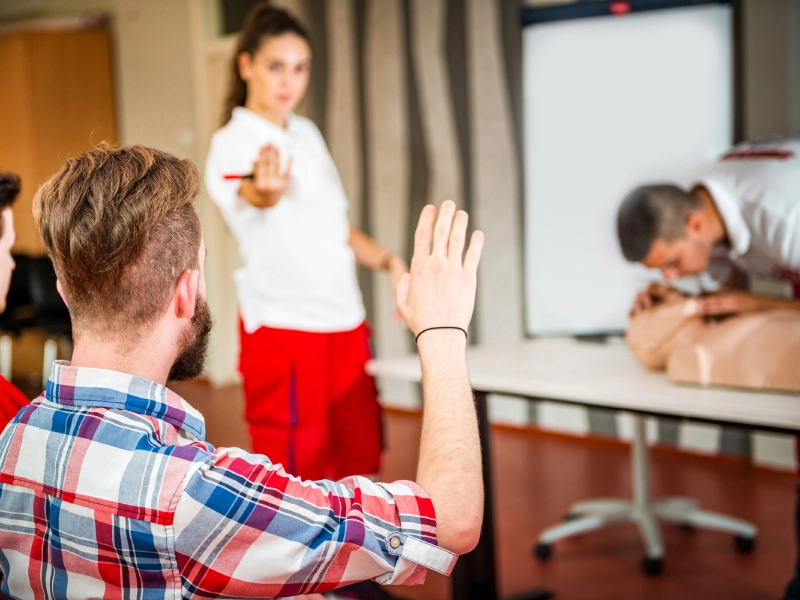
(269,183)
(439,290)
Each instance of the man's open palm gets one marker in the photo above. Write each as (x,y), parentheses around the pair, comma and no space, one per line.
(439,290)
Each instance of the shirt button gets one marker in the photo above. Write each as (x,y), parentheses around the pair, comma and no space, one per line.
(394,542)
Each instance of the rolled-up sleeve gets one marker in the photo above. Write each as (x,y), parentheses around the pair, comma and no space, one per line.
(226,157)
(245,528)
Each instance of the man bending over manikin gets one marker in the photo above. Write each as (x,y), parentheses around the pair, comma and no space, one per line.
(740,217)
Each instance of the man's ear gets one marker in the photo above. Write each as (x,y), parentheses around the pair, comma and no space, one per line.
(61,292)
(695,224)
(186,294)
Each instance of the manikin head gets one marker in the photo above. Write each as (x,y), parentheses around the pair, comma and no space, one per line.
(755,349)
(121,228)
(666,228)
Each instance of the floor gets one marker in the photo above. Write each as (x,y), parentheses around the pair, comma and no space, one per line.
(537,476)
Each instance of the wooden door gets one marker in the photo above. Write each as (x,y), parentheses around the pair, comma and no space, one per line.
(59,103)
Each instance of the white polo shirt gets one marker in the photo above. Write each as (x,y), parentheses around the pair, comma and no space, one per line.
(756,188)
(299,271)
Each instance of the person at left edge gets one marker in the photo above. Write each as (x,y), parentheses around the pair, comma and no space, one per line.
(11,399)
(309,404)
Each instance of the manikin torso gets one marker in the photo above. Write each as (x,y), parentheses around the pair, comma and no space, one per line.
(753,350)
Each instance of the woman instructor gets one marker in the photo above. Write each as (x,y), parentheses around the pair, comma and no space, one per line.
(304,341)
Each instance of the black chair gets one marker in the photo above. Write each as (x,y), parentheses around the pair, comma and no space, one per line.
(18,314)
(33,302)
(50,314)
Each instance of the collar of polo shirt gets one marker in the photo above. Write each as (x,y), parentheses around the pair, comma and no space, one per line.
(739,235)
(241,113)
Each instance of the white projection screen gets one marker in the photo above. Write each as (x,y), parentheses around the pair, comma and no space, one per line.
(610,103)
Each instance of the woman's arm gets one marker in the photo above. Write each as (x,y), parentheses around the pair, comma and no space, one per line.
(372,255)
(369,253)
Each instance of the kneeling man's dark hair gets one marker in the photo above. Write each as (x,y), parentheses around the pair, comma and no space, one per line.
(650,213)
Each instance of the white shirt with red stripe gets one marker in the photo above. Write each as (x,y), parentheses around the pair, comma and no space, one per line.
(756,189)
(299,271)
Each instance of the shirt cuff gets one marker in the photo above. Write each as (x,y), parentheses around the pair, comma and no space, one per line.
(414,543)
(422,553)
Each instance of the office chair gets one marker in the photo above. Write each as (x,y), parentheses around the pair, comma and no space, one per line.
(18,314)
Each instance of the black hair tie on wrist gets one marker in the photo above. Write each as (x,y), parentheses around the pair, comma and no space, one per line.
(461,329)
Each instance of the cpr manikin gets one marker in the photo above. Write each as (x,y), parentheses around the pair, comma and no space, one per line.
(753,350)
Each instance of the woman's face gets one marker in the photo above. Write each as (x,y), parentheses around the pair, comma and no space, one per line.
(277,75)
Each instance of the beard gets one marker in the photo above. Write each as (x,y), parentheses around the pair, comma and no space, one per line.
(194,344)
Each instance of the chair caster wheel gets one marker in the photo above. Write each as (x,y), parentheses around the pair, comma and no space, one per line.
(744,545)
(543,551)
(652,566)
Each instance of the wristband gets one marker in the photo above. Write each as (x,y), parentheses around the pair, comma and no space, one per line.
(461,329)
(386,259)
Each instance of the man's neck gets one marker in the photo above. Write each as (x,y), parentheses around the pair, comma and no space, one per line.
(718,233)
(149,359)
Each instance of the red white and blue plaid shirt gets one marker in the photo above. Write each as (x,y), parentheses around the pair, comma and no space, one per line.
(108,490)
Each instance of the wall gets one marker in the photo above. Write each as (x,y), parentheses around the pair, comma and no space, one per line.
(794,65)
(152,47)
(769,55)
(419,101)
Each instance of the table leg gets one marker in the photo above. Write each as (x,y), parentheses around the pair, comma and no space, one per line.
(475,574)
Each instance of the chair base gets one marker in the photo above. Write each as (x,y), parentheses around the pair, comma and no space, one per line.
(592,515)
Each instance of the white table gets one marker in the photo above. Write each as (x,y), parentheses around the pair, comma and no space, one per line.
(601,375)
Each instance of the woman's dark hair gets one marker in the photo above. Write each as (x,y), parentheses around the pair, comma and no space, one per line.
(263,21)
(9,190)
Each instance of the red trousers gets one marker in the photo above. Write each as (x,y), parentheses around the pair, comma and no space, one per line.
(309,404)
(11,401)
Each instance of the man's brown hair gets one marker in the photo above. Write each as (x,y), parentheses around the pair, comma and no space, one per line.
(120,226)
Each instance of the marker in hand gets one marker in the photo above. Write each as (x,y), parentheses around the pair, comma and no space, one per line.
(229,176)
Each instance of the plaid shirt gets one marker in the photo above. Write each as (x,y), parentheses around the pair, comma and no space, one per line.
(108,490)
